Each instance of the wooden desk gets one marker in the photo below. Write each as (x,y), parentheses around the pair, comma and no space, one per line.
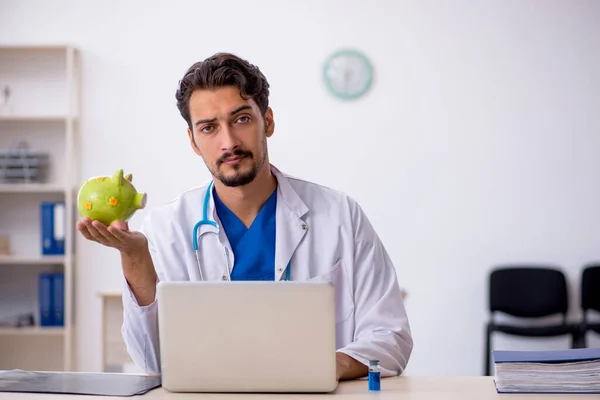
(399,388)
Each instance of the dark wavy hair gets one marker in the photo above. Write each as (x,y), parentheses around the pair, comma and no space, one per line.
(223,69)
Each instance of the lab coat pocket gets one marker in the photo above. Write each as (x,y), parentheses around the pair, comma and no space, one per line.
(344,305)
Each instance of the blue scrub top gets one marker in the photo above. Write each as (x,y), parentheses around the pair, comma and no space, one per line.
(253,247)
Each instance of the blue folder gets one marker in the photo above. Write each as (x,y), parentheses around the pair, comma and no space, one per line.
(58,303)
(52,221)
(45,299)
(51,302)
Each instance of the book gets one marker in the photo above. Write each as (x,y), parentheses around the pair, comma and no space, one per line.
(553,371)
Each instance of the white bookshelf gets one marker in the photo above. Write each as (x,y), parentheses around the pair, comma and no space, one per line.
(40,188)
(32,260)
(33,331)
(33,118)
(44,82)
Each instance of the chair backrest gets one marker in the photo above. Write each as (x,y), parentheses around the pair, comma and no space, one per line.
(528,291)
(590,288)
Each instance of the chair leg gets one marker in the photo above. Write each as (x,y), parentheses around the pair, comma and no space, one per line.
(488,349)
(582,340)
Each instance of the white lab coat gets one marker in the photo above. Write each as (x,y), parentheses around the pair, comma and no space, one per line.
(327,237)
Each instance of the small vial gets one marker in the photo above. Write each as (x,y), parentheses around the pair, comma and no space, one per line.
(374,375)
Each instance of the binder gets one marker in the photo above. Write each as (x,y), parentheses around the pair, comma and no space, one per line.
(555,371)
(51,293)
(53,228)
(58,304)
(45,299)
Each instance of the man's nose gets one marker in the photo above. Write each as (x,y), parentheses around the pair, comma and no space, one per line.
(230,141)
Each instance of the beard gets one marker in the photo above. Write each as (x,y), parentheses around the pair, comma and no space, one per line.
(241,176)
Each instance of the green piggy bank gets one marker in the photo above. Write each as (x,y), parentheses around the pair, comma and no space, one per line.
(109,198)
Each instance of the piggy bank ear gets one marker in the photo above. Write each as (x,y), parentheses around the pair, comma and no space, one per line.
(117,177)
(129,177)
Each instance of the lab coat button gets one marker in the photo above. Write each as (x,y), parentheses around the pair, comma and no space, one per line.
(224,277)
(303,227)
(279,269)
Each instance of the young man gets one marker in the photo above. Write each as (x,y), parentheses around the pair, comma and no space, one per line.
(272,227)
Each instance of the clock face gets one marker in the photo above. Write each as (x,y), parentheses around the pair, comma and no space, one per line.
(348,74)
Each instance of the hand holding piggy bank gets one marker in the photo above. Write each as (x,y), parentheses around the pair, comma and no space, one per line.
(109,198)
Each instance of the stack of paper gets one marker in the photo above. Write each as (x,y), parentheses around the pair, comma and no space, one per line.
(86,383)
(561,371)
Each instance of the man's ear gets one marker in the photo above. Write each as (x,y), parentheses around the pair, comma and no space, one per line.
(193,143)
(269,122)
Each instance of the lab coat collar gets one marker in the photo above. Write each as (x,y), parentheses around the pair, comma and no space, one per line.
(290,228)
(286,194)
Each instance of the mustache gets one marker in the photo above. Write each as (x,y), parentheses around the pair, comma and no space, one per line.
(235,153)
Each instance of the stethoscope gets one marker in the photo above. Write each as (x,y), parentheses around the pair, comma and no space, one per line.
(206,221)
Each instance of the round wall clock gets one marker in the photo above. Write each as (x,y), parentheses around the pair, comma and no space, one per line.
(348,74)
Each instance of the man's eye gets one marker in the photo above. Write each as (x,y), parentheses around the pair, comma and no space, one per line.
(243,119)
(206,129)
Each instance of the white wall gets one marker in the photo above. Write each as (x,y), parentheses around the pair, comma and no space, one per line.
(477,145)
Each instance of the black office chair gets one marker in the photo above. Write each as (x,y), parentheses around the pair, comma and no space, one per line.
(527,292)
(590,300)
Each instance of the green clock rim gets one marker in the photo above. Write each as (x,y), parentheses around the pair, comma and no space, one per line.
(364,59)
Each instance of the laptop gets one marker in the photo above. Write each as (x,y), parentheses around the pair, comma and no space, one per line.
(247,337)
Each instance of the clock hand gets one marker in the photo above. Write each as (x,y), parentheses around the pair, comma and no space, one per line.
(347,75)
